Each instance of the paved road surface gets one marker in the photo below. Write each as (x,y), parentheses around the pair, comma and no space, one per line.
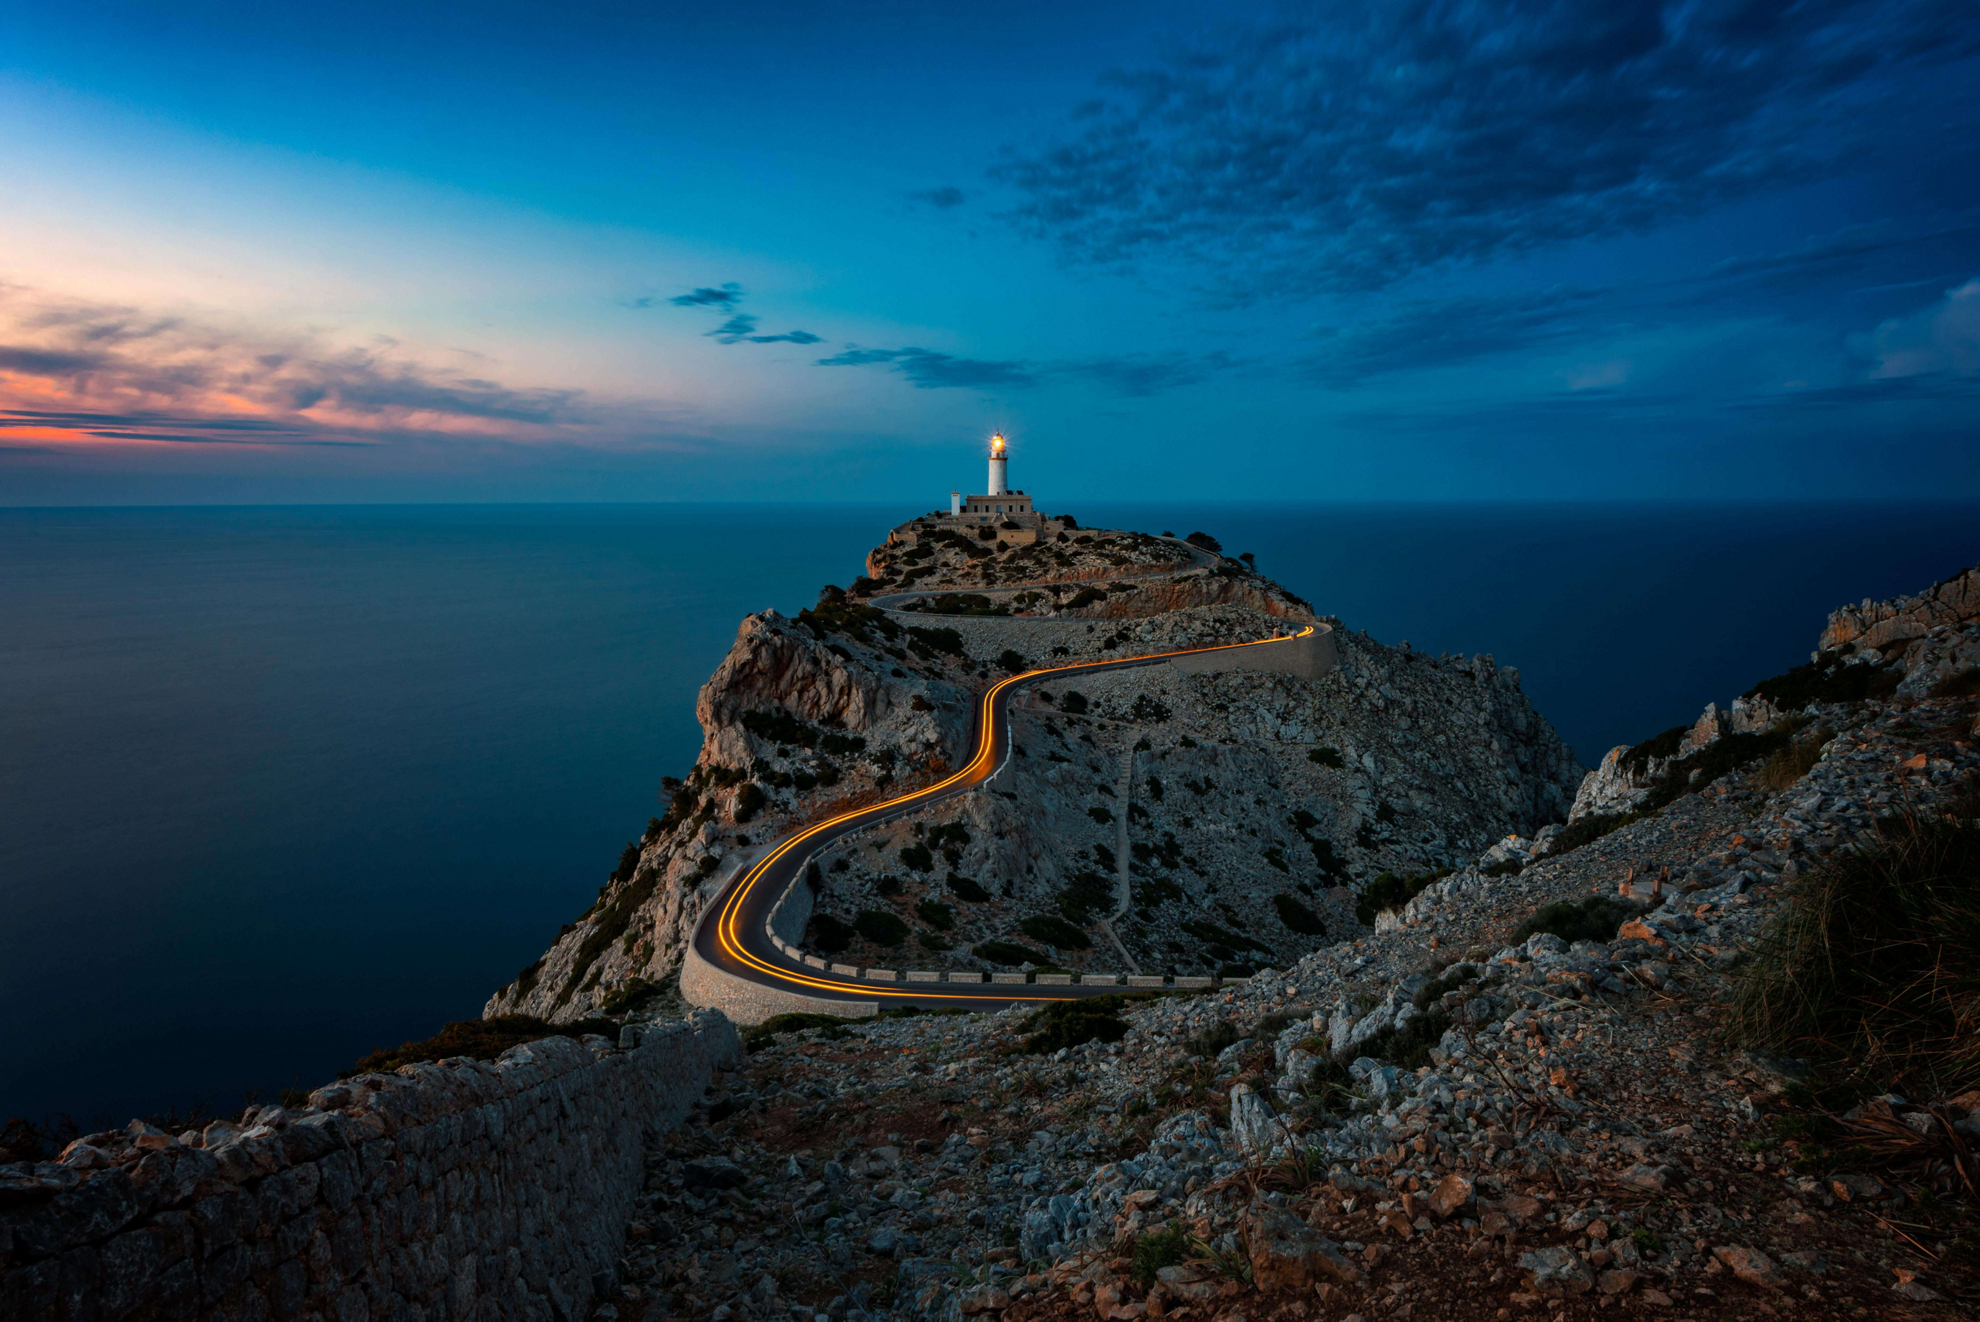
(731,935)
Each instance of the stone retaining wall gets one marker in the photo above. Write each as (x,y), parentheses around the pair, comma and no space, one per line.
(464,1189)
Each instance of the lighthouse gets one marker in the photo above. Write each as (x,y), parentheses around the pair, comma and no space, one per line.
(1009,510)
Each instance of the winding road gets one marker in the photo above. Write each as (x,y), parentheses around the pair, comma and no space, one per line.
(732,938)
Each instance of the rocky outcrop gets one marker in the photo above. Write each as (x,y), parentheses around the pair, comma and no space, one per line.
(1928,638)
(1179,822)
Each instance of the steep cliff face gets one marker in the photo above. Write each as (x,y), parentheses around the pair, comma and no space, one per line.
(1908,647)
(1927,638)
(1148,820)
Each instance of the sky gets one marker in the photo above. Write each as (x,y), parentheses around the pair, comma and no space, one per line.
(812,250)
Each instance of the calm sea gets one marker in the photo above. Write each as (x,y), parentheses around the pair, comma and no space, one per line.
(281,785)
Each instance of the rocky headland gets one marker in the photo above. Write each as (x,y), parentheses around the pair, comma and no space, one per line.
(1153,821)
(1692,1035)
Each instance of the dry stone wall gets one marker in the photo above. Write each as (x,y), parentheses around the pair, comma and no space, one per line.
(463,1189)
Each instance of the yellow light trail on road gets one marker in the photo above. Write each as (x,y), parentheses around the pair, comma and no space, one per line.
(728,935)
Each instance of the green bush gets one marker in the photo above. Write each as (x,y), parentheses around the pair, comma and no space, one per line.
(626,999)
(1074,703)
(1298,917)
(1792,762)
(1088,895)
(966,890)
(936,914)
(1100,813)
(779,727)
(1592,827)
(1055,931)
(829,936)
(1595,918)
(1007,952)
(1010,659)
(1326,757)
(944,640)
(1085,597)
(918,857)
(882,929)
(750,800)
(1072,1023)
(1408,1047)
(1203,541)
(478,1039)
(1826,679)
(1506,869)
(1389,891)
(1873,971)
(930,941)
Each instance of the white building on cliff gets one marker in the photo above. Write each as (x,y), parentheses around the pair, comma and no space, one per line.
(1000,502)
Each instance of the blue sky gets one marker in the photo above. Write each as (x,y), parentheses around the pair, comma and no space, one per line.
(819,251)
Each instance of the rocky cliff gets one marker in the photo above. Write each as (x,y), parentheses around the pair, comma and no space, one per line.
(1150,821)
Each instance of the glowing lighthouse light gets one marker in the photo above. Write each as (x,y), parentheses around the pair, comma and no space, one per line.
(998,460)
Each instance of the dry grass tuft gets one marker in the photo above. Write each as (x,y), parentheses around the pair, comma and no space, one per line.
(1873,971)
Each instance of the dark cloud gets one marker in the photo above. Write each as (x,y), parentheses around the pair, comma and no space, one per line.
(941,199)
(741,328)
(166,427)
(1350,151)
(1436,333)
(735,330)
(1143,374)
(46,362)
(928,370)
(727,296)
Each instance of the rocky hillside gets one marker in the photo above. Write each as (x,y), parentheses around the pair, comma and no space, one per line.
(1149,821)
(1532,1093)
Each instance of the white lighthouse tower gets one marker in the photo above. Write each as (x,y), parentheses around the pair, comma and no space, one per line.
(1010,510)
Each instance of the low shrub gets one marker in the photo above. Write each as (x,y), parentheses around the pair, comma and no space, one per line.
(1408,1047)
(1151,1253)
(624,1000)
(966,890)
(930,941)
(882,929)
(829,935)
(1390,891)
(1298,917)
(1055,931)
(1074,703)
(1873,971)
(917,857)
(1326,757)
(1203,541)
(1791,763)
(778,1024)
(750,800)
(1826,679)
(1085,597)
(477,1039)
(1012,660)
(1506,869)
(1072,1023)
(1595,918)
(1591,828)
(1008,953)
(1089,894)
(938,640)
(936,914)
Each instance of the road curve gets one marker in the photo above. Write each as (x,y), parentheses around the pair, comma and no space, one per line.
(732,938)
